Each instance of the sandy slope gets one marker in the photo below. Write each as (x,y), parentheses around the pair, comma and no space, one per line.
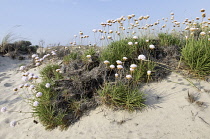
(169,114)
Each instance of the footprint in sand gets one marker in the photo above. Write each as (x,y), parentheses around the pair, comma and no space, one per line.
(7,121)
(179,79)
(173,88)
(1,79)
(184,89)
(3,74)
(8,84)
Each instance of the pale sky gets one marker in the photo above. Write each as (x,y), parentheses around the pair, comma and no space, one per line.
(57,21)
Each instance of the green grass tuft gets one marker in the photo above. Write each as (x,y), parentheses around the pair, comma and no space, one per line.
(72,56)
(49,72)
(47,111)
(90,51)
(170,39)
(196,54)
(122,96)
(117,50)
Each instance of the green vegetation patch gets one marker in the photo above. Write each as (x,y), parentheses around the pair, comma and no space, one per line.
(196,54)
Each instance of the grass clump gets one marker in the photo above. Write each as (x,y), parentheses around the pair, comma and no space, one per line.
(196,55)
(166,39)
(117,50)
(49,73)
(72,56)
(130,48)
(122,96)
(52,108)
(123,93)
(140,73)
(90,51)
(48,112)
(64,101)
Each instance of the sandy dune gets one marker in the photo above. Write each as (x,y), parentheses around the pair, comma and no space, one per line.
(168,116)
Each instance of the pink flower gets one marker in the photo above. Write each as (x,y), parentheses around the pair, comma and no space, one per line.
(35,77)
(26,85)
(133,66)
(38,64)
(22,68)
(112,66)
(125,58)
(47,85)
(39,94)
(149,72)
(119,67)
(13,123)
(36,103)
(24,78)
(141,57)
(3,109)
(58,70)
(119,62)
(32,87)
(135,37)
(21,86)
(15,89)
(151,46)
(128,76)
(30,74)
(88,56)
(130,43)
(34,55)
(30,78)
(106,62)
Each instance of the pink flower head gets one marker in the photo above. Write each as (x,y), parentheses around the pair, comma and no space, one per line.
(39,94)
(36,103)
(141,57)
(13,123)
(3,109)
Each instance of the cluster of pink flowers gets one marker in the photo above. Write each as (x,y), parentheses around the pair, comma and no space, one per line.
(119,65)
(26,76)
(38,61)
(29,79)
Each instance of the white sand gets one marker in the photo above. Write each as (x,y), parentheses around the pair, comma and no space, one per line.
(168,116)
